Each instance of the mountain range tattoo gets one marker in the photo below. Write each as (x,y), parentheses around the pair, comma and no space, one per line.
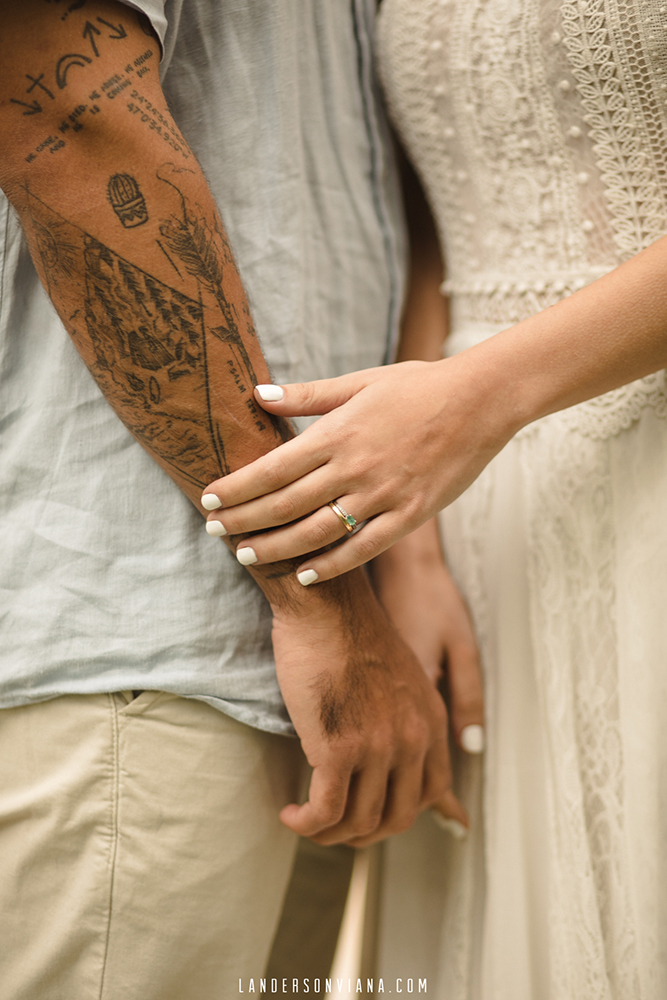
(142,338)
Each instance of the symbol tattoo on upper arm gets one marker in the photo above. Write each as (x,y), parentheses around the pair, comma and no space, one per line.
(118,29)
(64,65)
(37,82)
(89,32)
(127,200)
(33,109)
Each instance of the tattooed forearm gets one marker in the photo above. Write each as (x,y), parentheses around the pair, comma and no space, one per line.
(131,249)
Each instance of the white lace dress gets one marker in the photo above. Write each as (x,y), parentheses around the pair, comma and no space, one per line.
(539,128)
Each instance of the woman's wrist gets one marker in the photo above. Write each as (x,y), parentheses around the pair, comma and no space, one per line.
(480,391)
(515,377)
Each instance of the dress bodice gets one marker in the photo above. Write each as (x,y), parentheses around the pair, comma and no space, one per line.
(539,128)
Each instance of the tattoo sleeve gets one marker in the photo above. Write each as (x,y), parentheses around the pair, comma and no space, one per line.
(127,239)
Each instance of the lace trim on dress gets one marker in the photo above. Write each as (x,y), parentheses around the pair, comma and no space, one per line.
(620,109)
(499,300)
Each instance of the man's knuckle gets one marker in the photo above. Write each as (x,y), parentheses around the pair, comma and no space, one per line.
(402,821)
(329,813)
(380,744)
(366,826)
(438,714)
(415,737)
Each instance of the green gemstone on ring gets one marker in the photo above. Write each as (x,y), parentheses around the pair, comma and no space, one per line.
(345,518)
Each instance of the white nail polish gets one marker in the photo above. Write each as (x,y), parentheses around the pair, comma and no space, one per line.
(451,826)
(215,529)
(306,577)
(270,393)
(472,739)
(246,556)
(210,501)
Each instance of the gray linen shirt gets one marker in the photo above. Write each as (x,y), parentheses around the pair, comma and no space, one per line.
(108,580)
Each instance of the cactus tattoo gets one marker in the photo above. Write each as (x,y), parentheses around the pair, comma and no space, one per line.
(127,200)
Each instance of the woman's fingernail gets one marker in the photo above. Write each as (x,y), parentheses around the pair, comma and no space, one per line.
(472,739)
(306,577)
(216,529)
(270,393)
(451,826)
(210,501)
(246,556)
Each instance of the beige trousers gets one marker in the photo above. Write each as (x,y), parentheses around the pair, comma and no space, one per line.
(141,854)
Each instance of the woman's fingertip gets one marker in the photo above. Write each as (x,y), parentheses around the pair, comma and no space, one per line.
(210,501)
(452,826)
(246,556)
(306,577)
(473,739)
(270,393)
(215,529)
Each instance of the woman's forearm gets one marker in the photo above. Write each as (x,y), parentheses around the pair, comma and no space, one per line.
(605,335)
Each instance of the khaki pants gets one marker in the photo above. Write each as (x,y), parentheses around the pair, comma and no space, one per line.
(141,854)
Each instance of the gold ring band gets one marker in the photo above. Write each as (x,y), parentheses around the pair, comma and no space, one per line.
(340,512)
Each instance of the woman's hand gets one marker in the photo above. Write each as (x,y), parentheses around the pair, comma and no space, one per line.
(399,443)
(396,445)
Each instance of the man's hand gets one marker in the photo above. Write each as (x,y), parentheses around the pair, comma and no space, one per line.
(371,723)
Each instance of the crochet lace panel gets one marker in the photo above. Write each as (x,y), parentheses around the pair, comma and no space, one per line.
(539,130)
